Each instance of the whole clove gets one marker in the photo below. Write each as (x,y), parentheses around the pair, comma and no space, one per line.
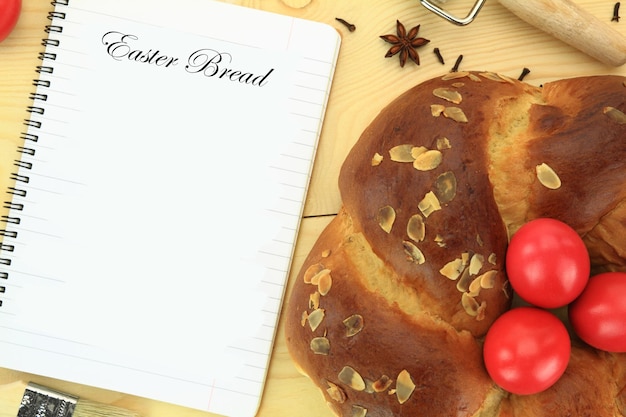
(439,56)
(455,68)
(616,12)
(523,75)
(349,25)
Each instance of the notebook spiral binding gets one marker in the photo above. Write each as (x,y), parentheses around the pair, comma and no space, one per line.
(36,109)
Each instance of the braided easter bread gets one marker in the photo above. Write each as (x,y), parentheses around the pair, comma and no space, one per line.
(389,311)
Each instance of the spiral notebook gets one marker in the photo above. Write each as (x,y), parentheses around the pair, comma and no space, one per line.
(158,195)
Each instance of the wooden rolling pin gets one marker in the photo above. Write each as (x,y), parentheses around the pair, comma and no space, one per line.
(568,22)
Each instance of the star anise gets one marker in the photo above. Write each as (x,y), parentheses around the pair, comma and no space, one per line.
(405,44)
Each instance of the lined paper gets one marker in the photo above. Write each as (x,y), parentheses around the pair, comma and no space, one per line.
(167,164)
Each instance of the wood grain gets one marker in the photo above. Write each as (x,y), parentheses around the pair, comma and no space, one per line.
(364,82)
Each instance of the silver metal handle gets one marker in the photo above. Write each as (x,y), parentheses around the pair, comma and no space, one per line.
(451,18)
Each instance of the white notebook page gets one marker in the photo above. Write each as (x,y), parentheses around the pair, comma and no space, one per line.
(167,183)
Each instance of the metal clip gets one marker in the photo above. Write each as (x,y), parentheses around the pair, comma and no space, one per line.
(457,21)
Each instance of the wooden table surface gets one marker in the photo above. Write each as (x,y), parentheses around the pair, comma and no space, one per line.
(364,82)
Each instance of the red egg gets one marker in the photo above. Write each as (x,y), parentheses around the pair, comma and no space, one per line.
(598,316)
(547,263)
(9,14)
(526,350)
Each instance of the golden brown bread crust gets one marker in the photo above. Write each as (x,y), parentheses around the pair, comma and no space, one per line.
(570,129)
(388,311)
